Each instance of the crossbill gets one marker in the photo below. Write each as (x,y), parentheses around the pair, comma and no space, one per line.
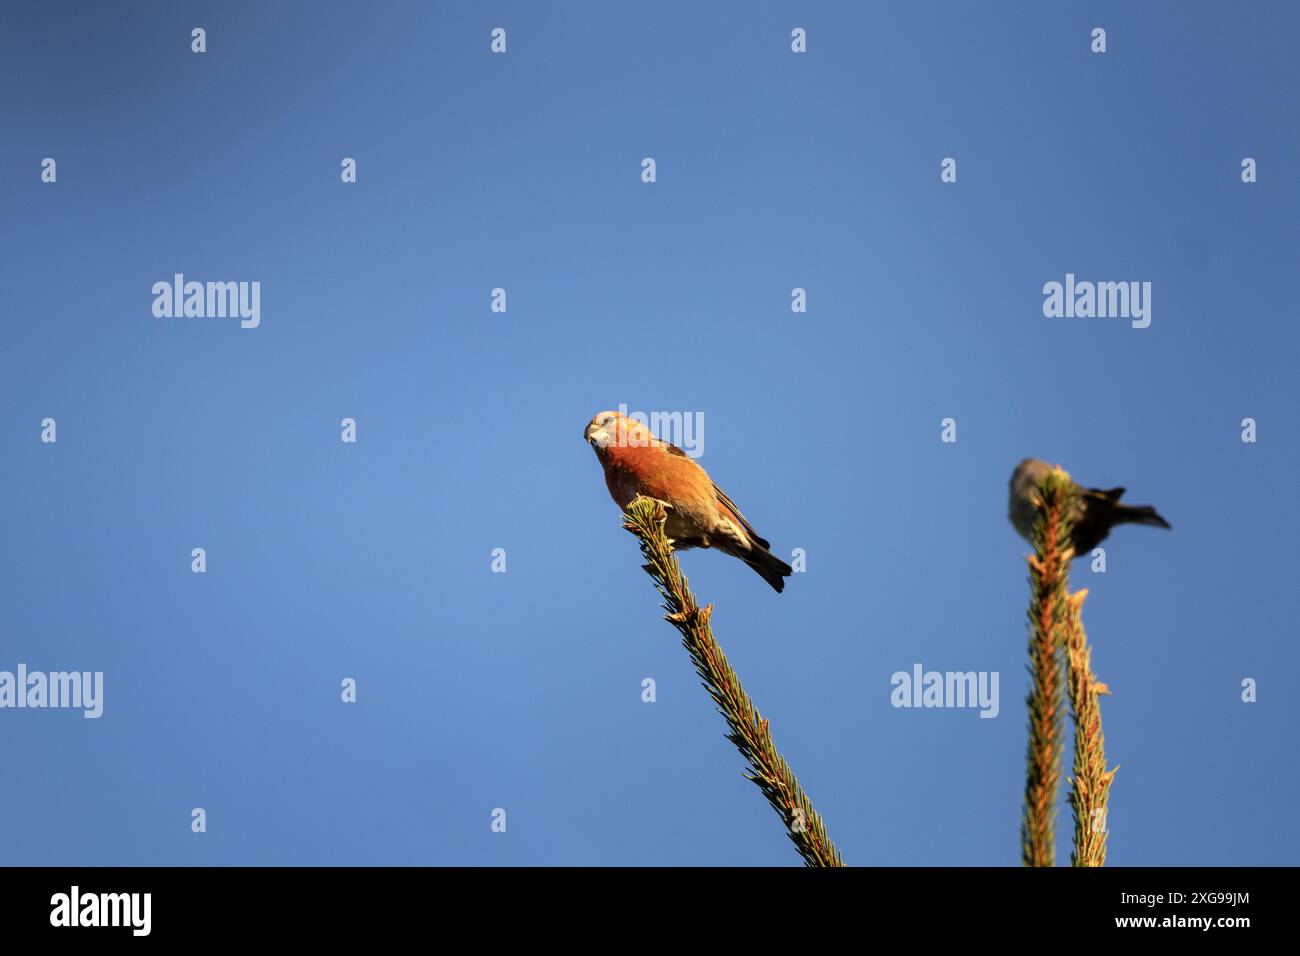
(699,513)
(1095,514)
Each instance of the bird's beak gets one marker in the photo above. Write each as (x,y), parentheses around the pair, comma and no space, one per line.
(596,437)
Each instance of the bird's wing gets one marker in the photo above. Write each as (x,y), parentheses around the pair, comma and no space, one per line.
(723,499)
(726,502)
(1112,494)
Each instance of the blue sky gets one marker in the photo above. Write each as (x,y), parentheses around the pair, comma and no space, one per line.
(522,171)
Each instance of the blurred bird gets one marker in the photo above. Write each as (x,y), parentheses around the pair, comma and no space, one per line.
(1097,511)
(700,515)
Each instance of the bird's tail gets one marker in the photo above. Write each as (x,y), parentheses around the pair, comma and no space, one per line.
(1138,514)
(771,568)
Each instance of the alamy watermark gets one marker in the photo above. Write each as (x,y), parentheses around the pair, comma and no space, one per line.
(82,690)
(1102,300)
(75,908)
(922,688)
(209,300)
(683,429)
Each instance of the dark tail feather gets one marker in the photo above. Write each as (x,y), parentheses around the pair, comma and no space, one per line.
(772,569)
(1139,514)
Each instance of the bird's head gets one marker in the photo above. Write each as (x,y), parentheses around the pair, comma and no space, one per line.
(614,430)
(1029,473)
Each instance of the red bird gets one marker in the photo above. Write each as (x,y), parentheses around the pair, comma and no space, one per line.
(700,515)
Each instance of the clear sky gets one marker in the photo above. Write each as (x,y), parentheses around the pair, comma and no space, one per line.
(775,170)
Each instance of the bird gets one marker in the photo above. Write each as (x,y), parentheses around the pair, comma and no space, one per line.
(1095,513)
(699,513)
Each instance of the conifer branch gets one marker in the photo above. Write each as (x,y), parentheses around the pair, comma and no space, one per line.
(1090,787)
(1049,572)
(748,730)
